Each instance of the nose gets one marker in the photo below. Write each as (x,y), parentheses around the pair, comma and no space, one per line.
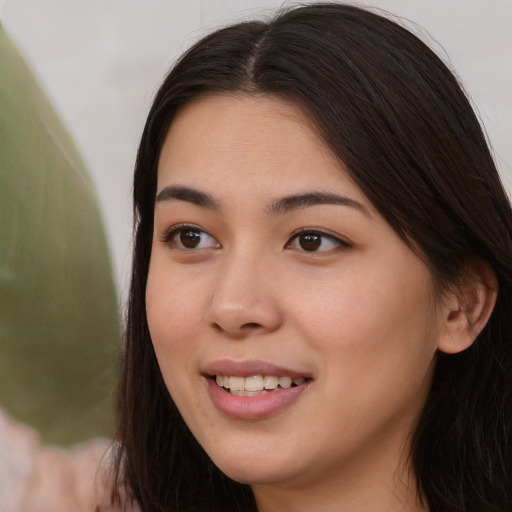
(244,298)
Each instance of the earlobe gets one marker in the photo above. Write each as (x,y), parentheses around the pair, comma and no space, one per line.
(469,307)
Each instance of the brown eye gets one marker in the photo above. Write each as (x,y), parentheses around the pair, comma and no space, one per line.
(190,238)
(316,241)
(310,241)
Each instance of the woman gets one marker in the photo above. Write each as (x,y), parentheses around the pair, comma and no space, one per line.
(320,307)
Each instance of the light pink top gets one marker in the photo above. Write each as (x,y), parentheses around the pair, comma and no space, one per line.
(37,478)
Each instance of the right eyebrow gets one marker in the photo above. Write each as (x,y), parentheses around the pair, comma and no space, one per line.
(190,195)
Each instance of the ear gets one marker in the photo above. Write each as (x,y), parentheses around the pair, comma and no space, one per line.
(468,308)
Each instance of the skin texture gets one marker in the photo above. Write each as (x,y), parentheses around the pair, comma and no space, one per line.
(358,316)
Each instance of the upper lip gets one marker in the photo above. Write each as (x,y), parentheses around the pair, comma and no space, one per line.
(249,368)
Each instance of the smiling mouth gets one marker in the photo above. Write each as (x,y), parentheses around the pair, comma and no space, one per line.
(256,385)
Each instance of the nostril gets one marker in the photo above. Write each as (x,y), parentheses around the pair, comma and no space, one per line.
(217,327)
(251,325)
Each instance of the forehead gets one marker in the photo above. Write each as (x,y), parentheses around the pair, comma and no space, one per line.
(247,111)
(236,143)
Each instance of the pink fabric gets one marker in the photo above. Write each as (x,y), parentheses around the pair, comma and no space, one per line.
(37,478)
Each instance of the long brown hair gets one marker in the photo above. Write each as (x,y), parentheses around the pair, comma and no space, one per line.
(397,118)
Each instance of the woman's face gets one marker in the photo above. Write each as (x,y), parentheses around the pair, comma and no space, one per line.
(269,267)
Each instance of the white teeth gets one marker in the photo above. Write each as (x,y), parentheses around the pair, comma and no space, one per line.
(256,385)
(245,393)
(270,382)
(285,382)
(237,383)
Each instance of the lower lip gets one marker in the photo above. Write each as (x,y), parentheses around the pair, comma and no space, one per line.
(253,407)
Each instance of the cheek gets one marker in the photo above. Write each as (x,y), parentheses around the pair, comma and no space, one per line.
(376,322)
(173,326)
(173,321)
(377,352)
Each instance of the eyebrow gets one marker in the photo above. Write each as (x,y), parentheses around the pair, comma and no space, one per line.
(277,207)
(298,201)
(190,195)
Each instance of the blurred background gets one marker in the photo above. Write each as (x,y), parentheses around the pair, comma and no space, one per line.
(101,62)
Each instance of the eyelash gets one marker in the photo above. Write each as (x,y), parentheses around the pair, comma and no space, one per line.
(341,244)
(167,238)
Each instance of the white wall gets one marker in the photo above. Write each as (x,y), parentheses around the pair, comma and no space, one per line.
(102,60)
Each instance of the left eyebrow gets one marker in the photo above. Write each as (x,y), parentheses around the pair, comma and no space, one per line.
(298,201)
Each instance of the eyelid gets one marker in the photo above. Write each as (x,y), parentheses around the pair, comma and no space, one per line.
(176,228)
(170,232)
(342,242)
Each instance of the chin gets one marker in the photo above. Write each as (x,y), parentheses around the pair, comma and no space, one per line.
(254,476)
(256,470)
